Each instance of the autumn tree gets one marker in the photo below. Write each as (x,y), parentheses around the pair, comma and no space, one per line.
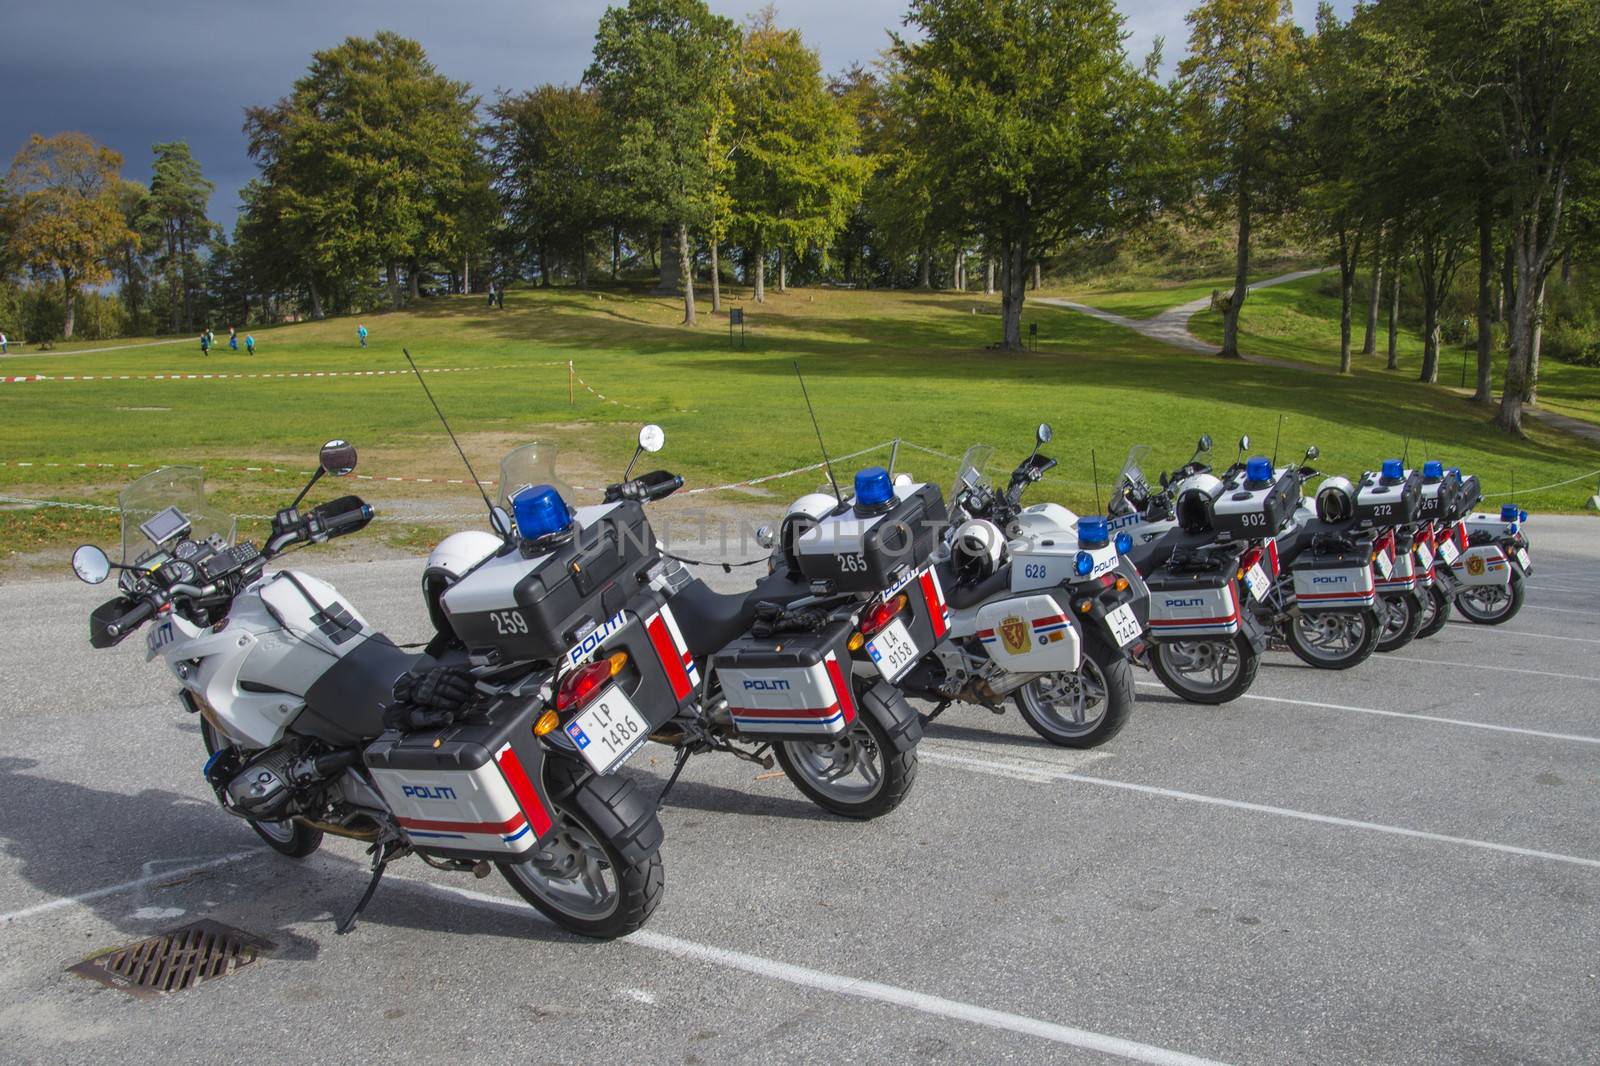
(64,213)
(1237,76)
(663,69)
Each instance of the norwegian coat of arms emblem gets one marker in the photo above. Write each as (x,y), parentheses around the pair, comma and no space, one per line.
(1014,634)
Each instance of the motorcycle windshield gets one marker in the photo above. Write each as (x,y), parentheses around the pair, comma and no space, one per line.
(973,472)
(531,464)
(165,507)
(1131,472)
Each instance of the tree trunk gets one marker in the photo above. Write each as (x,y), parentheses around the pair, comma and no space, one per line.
(670,281)
(716,279)
(466,274)
(616,250)
(583,262)
(1430,335)
(69,297)
(1530,390)
(1241,274)
(1038,275)
(783,270)
(392,279)
(686,273)
(1349,253)
(1485,299)
(413,275)
(1508,282)
(316,299)
(172,260)
(1369,342)
(925,269)
(1394,314)
(1013,285)
(761,268)
(988,275)
(183,274)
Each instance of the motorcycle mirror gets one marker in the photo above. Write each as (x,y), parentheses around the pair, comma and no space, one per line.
(1044,434)
(1244,443)
(902,481)
(652,437)
(765,537)
(90,564)
(1204,445)
(338,457)
(500,520)
(1312,453)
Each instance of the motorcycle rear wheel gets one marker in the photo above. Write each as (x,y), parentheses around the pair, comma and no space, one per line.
(1333,640)
(599,874)
(1399,620)
(858,774)
(287,837)
(1490,605)
(1206,671)
(1083,709)
(1435,612)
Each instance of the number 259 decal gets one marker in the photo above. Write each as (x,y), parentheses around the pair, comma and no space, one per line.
(508,623)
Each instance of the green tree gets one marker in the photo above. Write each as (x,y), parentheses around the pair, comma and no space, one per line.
(64,214)
(367,159)
(797,175)
(1024,110)
(663,70)
(130,261)
(1237,78)
(175,215)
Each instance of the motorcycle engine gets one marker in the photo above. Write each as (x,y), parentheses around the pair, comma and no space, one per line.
(261,789)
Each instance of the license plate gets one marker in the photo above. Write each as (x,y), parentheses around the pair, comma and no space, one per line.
(1124,625)
(608,732)
(1522,558)
(893,650)
(1449,552)
(1385,564)
(1424,556)
(1257,581)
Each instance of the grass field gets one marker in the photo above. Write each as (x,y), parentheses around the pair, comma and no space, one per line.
(879,366)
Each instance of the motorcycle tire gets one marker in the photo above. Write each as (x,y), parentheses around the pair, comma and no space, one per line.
(1503,610)
(1360,650)
(1104,681)
(1166,661)
(287,837)
(817,768)
(1400,617)
(1435,613)
(601,826)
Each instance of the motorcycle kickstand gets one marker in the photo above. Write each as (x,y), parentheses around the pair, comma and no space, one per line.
(679,764)
(381,855)
(936,712)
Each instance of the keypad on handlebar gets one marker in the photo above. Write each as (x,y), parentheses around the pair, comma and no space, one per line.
(229,560)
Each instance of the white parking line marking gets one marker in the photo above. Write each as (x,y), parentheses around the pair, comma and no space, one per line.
(1405,714)
(1503,631)
(139,882)
(858,988)
(987,766)
(1559,610)
(1390,656)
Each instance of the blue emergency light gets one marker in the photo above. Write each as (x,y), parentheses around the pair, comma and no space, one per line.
(540,511)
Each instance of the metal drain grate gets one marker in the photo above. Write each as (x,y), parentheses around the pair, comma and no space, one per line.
(200,951)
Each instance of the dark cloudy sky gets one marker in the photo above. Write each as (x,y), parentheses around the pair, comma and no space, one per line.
(131,73)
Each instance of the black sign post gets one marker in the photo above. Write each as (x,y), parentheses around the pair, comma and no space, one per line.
(736,318)
(1033,335)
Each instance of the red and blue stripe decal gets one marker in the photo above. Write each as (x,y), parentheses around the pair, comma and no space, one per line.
(673,651)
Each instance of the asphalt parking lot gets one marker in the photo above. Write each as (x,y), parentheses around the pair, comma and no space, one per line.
(1397,864)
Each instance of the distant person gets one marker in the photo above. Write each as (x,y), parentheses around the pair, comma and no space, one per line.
(233,338)
(491,295)
(249,344)
(205,343)
(5,345)
(361,331)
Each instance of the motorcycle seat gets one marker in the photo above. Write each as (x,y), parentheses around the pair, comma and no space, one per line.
(963,596)
(711,620)
(346,704)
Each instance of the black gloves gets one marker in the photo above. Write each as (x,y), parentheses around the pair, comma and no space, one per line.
(434,698)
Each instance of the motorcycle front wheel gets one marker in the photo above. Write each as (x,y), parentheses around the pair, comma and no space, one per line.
(287,837)
(1435,612)
(1206,671)
(1491,605)
(1084,709)
(599,874)
(1399,618)
(1333,640)
(857,774)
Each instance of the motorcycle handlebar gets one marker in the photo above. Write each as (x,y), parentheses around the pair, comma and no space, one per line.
(656,485)
(125,622)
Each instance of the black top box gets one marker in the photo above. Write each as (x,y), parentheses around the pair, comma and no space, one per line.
(865,552)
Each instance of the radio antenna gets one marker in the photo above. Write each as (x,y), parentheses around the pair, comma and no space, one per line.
(446,422)
(826,462)
(1405,453)
(1276,440)
(1094,465)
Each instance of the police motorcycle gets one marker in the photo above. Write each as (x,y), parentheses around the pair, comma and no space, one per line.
(1443,491)
(1207,547)
(316,723)
(1493,565)
(1041,609)
(1390,502)
(783,670)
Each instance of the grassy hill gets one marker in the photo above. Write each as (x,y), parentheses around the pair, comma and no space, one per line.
(879,365)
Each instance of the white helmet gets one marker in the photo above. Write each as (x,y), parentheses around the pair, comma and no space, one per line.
(977,550)
(448,563)
(1336,500)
